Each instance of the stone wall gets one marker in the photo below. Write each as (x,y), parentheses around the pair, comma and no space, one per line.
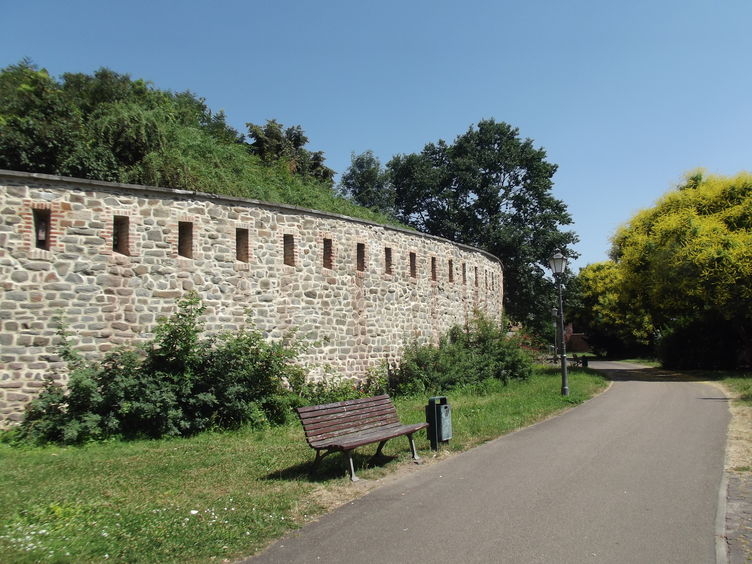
(114,258)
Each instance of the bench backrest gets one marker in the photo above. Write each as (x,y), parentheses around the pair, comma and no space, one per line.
(323,422)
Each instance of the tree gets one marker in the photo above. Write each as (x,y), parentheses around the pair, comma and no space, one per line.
(108,126)
(40,129)
(104,126)
(273,144)
(367,184)
(613,326)
(492,190)
(683,273)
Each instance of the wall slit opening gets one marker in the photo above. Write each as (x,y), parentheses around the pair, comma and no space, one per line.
(288,247)
(361,257)
(121,234)
(185,239)
(328,254)
(242,240)
(42,224)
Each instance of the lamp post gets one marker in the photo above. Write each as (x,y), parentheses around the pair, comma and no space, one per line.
(555,318)
(558,263)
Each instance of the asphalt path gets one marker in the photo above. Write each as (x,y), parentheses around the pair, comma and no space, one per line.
(632,475)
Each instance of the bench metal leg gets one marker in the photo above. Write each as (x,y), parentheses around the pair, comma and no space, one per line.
(378,450)
(318,459)
(353,477)
(412,447)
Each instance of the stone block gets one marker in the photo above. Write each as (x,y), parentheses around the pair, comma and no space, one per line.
(37,266)
(19,276)
(171,294)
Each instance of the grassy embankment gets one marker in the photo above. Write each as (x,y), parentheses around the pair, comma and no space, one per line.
(221,495)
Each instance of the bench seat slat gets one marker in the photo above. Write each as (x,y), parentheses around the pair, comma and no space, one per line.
(379,411)
(353,420)
(349,429)
(348,442)
(349,416)
(347,403)
(332,439)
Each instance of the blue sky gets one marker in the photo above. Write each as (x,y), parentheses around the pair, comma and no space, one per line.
(624,96)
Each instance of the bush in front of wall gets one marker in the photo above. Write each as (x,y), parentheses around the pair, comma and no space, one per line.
(465,355)
(178,384)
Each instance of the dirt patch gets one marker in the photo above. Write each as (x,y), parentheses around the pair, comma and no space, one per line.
(739,440)
(738,519)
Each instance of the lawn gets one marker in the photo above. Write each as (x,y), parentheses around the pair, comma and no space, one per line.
(222,495)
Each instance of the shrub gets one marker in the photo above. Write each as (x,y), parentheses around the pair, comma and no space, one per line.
(706,341)
(464,356)
(330,391)
(178,384)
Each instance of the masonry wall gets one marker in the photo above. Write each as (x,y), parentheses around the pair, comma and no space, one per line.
(110,258)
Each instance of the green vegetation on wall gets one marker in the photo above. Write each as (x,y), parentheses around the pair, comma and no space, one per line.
(469,355)
(107,126)
(182,382)
(177,384)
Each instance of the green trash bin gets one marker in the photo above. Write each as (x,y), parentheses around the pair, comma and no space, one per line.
(439,419)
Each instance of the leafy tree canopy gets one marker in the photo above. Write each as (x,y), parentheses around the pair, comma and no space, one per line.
(613,325)
(682,266)
(490,189)
(273,143)
(107,126)
(367,183)
(692,251)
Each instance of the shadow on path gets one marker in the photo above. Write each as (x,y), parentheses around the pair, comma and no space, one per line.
(636,373)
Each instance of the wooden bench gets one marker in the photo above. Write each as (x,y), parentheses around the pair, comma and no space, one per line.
(578,361)
(346,425)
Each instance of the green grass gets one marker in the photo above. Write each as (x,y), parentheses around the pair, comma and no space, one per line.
(741,384)
(222,495)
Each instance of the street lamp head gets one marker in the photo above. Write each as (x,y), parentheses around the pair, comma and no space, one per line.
(558,262)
